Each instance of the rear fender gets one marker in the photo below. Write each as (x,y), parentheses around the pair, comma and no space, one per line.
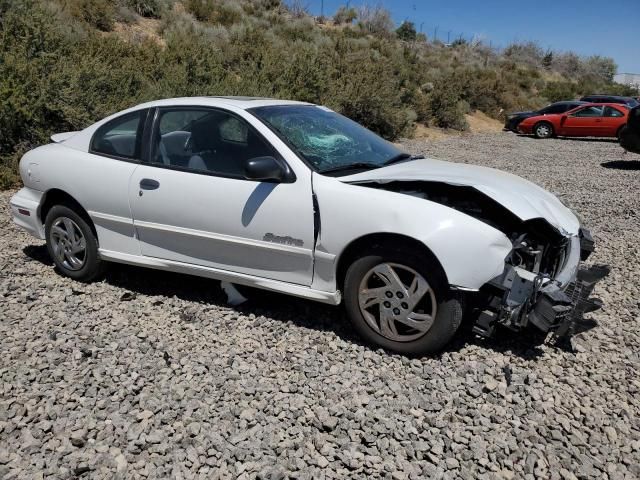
(61,137)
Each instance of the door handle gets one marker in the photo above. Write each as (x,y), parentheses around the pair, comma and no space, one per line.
(149,184)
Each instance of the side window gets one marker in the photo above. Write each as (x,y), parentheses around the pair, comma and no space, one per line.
(206,141)
(120,137)
(589,112)
(234,130)
(612,112)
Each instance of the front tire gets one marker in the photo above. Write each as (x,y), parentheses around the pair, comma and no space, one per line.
(72,245)
(543,130)
(398,301)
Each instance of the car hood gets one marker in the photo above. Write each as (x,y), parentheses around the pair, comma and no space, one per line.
(536,116)
(521,114)
(523,198)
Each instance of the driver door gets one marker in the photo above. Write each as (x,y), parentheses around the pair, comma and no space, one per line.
(585,122)
(192,204)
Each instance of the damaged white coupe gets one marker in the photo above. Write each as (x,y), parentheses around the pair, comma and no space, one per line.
(295,198)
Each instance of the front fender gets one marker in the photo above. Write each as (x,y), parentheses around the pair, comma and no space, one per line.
(471,252)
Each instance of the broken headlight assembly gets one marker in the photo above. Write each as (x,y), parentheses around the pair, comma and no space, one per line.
(543,284)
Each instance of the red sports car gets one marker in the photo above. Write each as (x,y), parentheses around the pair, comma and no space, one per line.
(591,120)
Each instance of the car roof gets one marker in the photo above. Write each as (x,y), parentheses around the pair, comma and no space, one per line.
(619,97)
(576,102)
(220,101)
(605,104)
(602,104)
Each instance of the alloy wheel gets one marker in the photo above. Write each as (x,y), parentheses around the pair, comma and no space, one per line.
(543,130)
(68,243)
(397,302)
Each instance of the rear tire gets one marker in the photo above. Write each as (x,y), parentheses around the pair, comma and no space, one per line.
(71,244)
(417,316)
(543,130)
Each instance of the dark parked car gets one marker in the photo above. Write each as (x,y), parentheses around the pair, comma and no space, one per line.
(514,119)
(629,101)
(630,135)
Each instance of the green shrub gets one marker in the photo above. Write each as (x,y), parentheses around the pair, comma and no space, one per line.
(221,12)
(445,103)
(557,91)
(145,8)
(97,13)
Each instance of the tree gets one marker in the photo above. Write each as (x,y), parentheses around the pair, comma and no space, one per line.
(527,53)
(407,31)
(345,15)
(298,8)
(547,60)
(602,68)
(376,20)
(568,64)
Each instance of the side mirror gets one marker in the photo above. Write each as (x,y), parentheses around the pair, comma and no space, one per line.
(268,169)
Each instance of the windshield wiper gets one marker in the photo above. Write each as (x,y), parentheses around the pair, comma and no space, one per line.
(401,157)
(351,166)
(368,165)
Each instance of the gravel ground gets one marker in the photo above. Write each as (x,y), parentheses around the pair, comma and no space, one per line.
(151,375)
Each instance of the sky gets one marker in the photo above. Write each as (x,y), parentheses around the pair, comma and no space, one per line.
(588,27)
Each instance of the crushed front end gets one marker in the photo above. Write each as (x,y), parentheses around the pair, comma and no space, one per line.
(543,284)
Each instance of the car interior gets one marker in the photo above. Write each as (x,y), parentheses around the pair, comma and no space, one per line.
(119,144)
(216,142)
(119,136)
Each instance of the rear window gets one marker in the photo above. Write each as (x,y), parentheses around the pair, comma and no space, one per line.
(612,112)
(120,137)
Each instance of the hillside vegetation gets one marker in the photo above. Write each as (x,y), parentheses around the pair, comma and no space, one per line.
(66,63)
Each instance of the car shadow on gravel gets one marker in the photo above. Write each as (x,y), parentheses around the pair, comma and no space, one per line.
(526,345)
(589,139)
(575,139)
(137,281)
(622,164)
(39,253)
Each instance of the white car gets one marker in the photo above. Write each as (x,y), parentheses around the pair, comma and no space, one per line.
(295,198)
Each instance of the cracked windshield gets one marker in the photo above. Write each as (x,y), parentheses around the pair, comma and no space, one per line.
(327,140)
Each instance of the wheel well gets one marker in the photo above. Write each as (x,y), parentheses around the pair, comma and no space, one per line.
(59,197)
(369,243)
(541,122)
